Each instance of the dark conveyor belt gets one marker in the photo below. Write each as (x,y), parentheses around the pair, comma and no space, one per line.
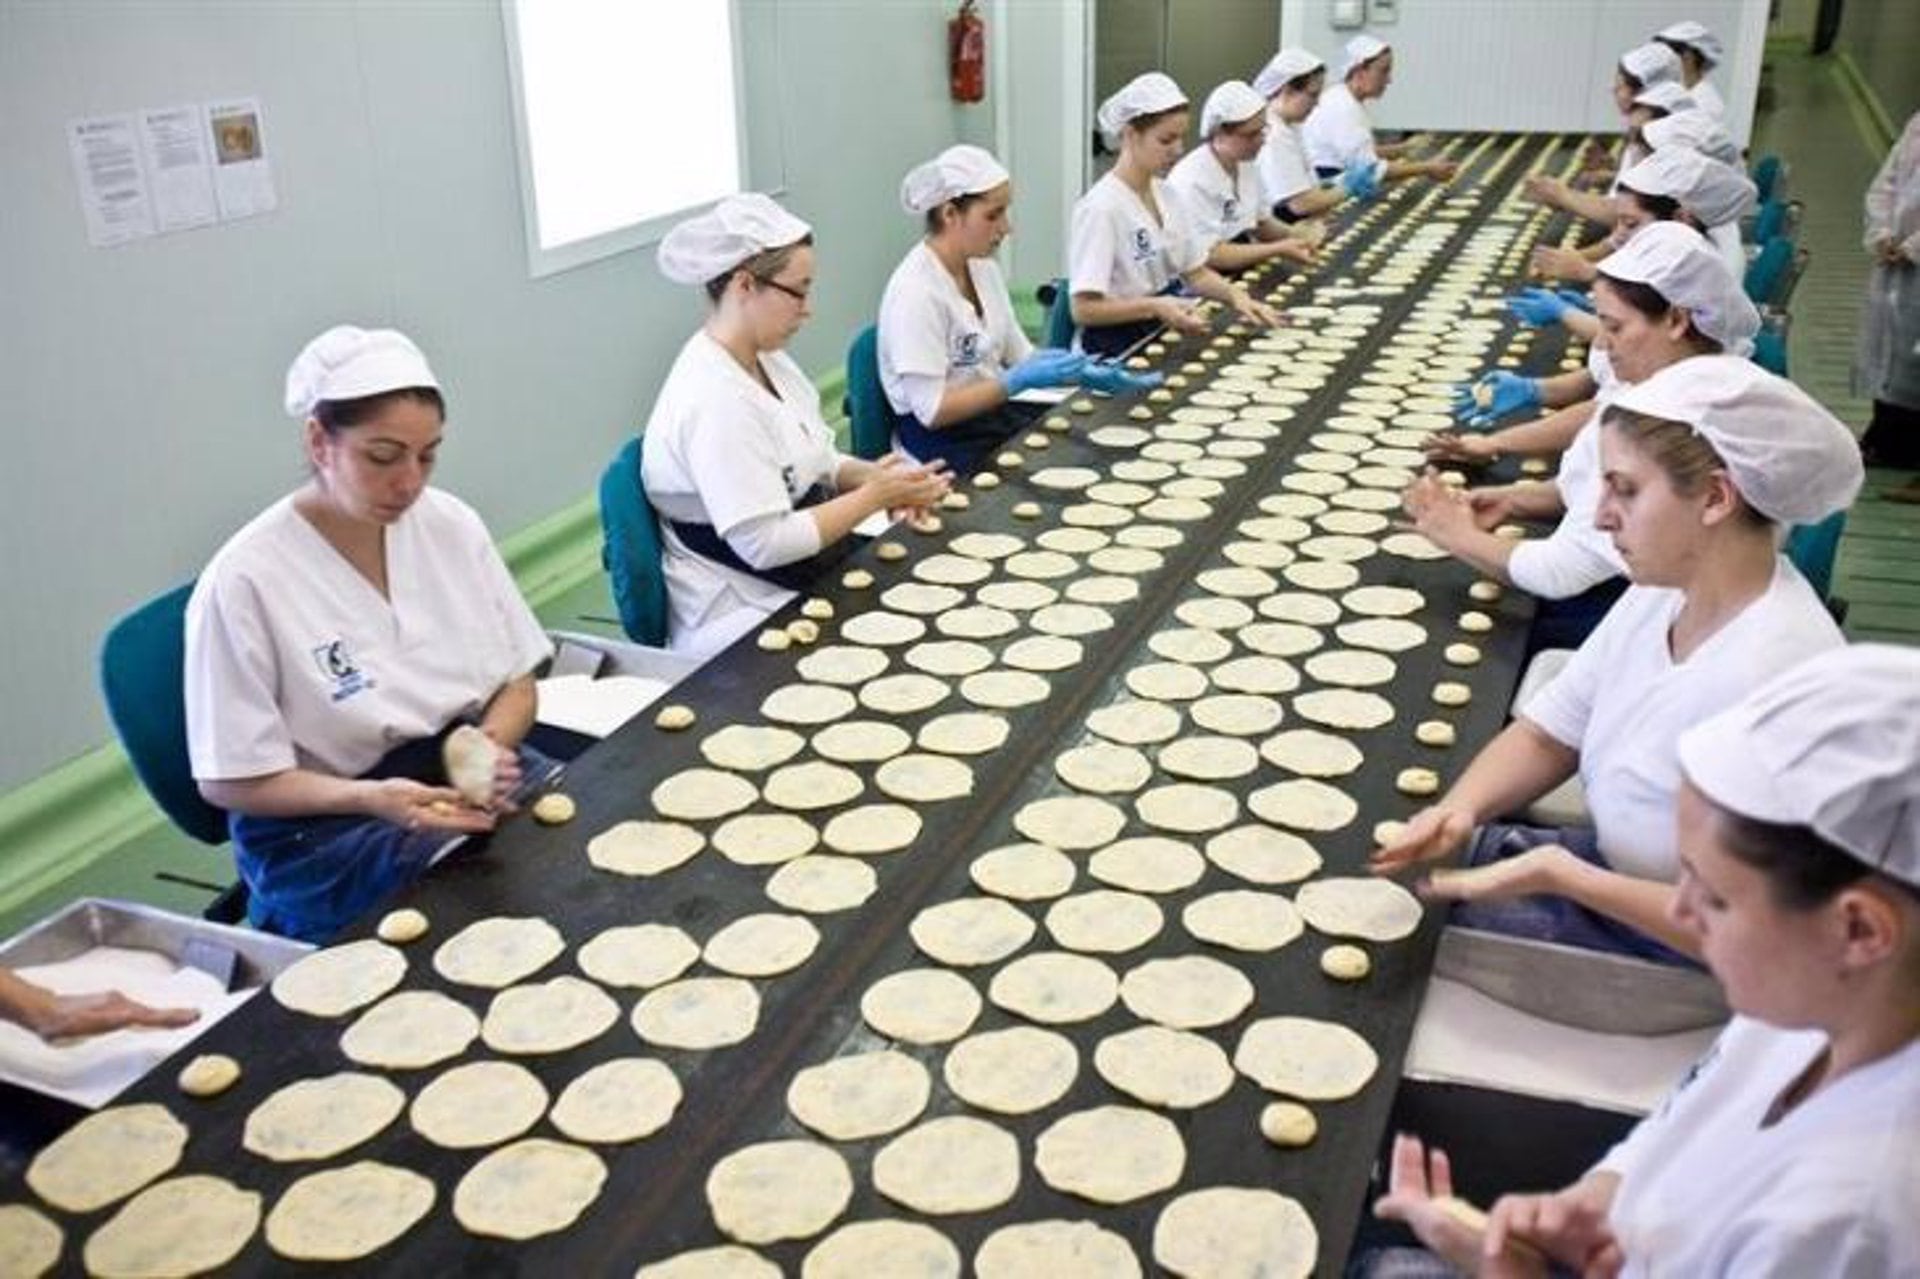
(653,1205)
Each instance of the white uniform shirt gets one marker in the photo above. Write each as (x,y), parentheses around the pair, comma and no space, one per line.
(931,335)
(1708,1187)
(1576,555)
(1284,169)
(1116,248)
(1708,99)
(1726,238)
(720,449)
(1339,133)
(1220,206)
(1622,703)
(294,660)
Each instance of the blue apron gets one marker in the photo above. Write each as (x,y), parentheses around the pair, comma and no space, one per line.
(703,540)
(1116,339)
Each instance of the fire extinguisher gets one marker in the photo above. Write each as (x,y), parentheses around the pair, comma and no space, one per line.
(967,55)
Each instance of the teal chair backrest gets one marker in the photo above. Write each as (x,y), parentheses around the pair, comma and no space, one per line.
(1770,351)
(1768,270)
(869,416)
(143,665)
(1766,176)
(1813,549)
(1770,221)
(1059,333)
(631,549)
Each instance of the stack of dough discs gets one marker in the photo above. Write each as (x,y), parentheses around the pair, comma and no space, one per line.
(1014,1071)
(621,1100)
(410,1030)
(339,979)
(921,1006)
(531,1188)
(1110,1154)
(950,1165)
(860,1095)
(343,1214)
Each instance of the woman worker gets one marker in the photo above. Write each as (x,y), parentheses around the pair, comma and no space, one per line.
(1788,1150)
(1701,464)
(1699,52)
(333,642)
(1710,196)
(1640,68)
(736,458)
(1664,298)
(953,360)
(1291,83)
(1887,368)
(1339,133)
(1220,183)
(1132,249)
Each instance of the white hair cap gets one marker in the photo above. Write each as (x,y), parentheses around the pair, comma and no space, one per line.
(1834,744)
(1651,63)
(1713,192)
(957,171)
(1792,461)
(1695,37)
(1689,272)
(1693,128)
(1230,103)
(1668,96)
(1289,64)
(1360,50)
(346,363)
(737,228)
(1146,94)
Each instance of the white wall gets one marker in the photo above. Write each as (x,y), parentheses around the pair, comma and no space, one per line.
(142,383)
(1531,65)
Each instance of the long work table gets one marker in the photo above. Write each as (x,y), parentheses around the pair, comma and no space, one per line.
(1192,554)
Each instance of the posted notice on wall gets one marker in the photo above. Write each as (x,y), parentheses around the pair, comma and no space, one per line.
(163,169)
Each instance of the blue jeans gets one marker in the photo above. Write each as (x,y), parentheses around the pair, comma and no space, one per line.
(1550,918)
(309,877)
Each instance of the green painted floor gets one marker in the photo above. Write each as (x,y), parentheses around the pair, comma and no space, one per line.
(1805,117)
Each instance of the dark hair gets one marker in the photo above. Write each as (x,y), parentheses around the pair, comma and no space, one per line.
(1141,123)
(1652,303)
(761,267)
(1301,82)
(335,416)
(960,204)
(1661,208)
(1633,81)
(1681,452)
(1803,869)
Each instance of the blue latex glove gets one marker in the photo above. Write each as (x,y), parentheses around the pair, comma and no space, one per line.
(1111,379)
(1537,308)
(1577,300)
(1049,366)
(1510,394)
(1361,181)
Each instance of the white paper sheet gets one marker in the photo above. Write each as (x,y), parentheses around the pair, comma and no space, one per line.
(1462,1036)
(596,706)
(178,154)
(242,171)
(113,185)
(1043,395)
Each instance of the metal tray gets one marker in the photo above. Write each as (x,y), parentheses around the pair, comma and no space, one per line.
(100,921)
(1610,994)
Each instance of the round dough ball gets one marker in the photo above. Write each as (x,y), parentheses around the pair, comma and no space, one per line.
(1288,1124)
(674,718)
(1345,963)
(554,809)
(402,926)
(1417,781)
(1434,732)
(1451,693)
(209,1075)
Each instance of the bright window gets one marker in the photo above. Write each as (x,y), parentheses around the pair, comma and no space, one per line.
(626,116)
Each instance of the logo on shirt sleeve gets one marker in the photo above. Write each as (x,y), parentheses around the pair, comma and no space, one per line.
(340,671)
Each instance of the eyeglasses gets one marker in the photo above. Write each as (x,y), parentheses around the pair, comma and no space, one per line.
(798,295)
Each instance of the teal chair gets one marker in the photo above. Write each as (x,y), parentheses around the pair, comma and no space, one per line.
(1059,303)
(869,416)
(1813,549)
(1769,222)
(1767,174)
(631,549)
(1767,273)
(143,664)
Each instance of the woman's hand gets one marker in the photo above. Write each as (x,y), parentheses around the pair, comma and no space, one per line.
(1441,513)
(1254,311)
(1182,314)
(417,806)
(1296,249)
(1554,263)
(54,1016)
(894,484)
(1536,872)
(1569,1226)
(1420,1194)
(1433,833)
(1452,446)
(506,778)
(1549,191)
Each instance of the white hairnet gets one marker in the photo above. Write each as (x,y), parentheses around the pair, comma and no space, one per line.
(1713,192)
(1668,96)
(1287,65)
(1147,94)
(1792,461)
(1651,63)
(737,228)
(1688,272)
(957,171)
(1230,103)
(346,363)
(1363,48)
(1834,744)
(1694,129)
(1695,37)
